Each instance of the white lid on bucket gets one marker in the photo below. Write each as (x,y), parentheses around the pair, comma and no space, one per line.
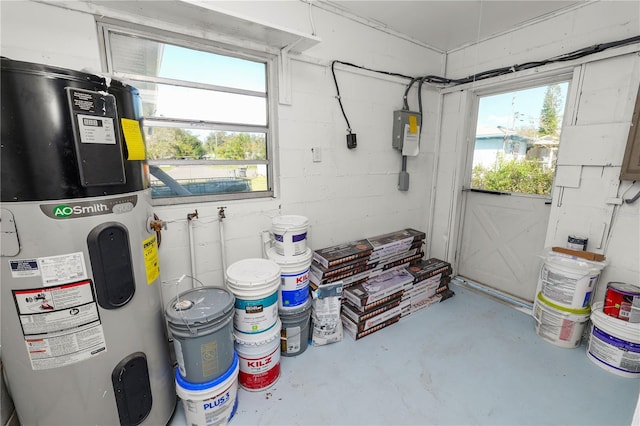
(257,339)
(253,273)
(286,221)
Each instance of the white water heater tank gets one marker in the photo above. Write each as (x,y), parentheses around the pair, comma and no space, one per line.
(82,329)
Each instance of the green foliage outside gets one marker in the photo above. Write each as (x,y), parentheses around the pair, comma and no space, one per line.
(530,175)
(172,143)
(524,176)
(167,143)
(549,112)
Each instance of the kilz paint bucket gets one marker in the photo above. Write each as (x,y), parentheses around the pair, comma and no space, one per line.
(211,403)
(294,273)
(201,323)
(294,336)
(568,281)
(290,234)
(622,301)
(255,284)
(259,357)
(614,345)
(560,326)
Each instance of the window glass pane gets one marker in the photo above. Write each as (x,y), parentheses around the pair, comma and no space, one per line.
(517,139)
(169,143)
(200,104)
(137,55)
(197,179)
(195,127)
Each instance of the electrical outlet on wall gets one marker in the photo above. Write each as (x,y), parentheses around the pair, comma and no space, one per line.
(316,153)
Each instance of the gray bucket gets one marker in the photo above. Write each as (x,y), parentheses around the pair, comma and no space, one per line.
(294,336)
(201,323)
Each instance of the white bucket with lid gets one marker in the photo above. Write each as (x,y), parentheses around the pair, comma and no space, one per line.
(259,357)
(255,283)
(560,326)
(294,286)
(290,234)
(568,281)
(614,344)
(211,403)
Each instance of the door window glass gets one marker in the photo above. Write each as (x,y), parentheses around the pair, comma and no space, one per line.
(517,139)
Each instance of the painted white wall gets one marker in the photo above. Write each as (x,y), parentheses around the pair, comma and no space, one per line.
(349,195)
(592,145)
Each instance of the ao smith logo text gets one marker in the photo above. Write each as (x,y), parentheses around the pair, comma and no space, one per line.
(66,211)
(72,210)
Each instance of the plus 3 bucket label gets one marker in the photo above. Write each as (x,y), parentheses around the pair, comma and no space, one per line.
(256,316)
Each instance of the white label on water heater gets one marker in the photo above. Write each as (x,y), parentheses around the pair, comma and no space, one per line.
(62,269)
(95,129)
(61,324)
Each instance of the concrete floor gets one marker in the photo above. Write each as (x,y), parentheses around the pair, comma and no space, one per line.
(468,360)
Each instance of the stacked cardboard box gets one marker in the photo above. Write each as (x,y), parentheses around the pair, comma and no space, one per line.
(356,262)
(384,279)
(375,303)
(430,285)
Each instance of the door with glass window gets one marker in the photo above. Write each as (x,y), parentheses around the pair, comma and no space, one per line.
(507,198)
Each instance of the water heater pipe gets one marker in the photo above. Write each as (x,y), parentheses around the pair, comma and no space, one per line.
(192,250)
(223,254)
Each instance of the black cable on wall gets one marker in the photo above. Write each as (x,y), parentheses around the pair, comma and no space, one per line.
(496,72)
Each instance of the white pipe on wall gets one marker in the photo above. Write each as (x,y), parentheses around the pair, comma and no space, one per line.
(223,252)
(192,248)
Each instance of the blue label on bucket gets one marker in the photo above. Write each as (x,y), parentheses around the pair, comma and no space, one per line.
(295,297)
(614,352)
(587,298)
(615,341)
(252,304)
(299,237)
(256,316)
(294,239)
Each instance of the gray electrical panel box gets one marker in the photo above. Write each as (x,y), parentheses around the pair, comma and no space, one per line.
(402,120)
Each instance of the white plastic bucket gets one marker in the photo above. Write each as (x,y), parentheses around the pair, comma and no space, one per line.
(560,326)
(255,284)
(211,403)
(290,234)
(614,344)
(294,273)
(259,358)
(567,281)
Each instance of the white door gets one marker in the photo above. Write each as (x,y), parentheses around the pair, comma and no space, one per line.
(502,236)
(507,201)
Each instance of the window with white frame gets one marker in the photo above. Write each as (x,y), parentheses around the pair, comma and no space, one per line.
(206,114)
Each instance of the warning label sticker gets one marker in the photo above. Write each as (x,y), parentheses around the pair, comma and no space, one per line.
(61,324)
(151,262)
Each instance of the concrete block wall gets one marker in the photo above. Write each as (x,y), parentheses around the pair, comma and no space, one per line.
(349,195)
(605,91)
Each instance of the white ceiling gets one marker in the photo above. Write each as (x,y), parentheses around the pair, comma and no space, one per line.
(446,25)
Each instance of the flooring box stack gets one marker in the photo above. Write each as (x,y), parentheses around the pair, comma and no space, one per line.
(357,261)
(373,274)
(430,285)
